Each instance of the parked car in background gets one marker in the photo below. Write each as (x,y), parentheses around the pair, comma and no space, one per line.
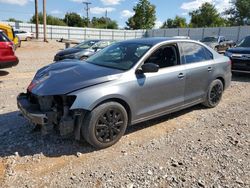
(8,30)
(218,43)
(83,50)
(124,84)
(7,53)
(24,35)
(181,37)
(240,56)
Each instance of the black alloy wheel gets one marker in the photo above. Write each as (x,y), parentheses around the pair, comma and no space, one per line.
(105,125)
(214,94)
(109,125)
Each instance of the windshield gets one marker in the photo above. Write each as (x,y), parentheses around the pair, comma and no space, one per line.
(245,43)
(102,44)
(210,39)
(86,44)
(121,56)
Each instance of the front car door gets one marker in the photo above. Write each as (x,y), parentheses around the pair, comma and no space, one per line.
(159,93)
(199,66)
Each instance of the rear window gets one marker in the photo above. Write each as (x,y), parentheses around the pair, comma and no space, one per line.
(3,37)
(195,53)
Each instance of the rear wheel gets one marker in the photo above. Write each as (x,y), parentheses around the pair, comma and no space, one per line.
(105,125)
(214,94)
(28,39)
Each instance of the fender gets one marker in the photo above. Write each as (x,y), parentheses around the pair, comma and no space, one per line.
(88,99)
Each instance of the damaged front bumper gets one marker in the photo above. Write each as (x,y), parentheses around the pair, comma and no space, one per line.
(31,111)
(66,121)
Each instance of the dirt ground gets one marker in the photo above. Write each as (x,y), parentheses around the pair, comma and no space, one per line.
(196,147)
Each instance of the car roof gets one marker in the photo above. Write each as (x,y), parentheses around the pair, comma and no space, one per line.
(152,40)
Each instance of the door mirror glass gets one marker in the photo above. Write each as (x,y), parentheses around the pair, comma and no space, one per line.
(150,68)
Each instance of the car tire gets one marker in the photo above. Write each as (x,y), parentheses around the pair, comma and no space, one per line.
(214,94)
(105,125)
(28,39)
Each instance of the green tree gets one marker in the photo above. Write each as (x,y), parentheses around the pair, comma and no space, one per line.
(51,20)
(103,23)
(14,20)
(144,17)
(239,13)
(74,20)
(206,16)
(177,22)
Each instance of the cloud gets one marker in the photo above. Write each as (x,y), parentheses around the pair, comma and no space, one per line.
(77,1)
(16,2)
(127,14)
(158,24)
(111,2)
(99,10)
(221,5)
(56,12)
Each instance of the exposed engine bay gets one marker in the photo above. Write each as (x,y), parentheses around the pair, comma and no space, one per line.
(52,111)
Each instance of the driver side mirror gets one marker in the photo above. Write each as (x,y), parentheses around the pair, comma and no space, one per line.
(150,68)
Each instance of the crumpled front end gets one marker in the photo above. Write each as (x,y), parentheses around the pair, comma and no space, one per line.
(51,111)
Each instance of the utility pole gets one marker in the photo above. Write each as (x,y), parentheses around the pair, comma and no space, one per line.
(44,22)
(37,20)
(87,11)
(106,18)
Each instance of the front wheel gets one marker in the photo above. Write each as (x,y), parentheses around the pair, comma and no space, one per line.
(105,125)
(214,94)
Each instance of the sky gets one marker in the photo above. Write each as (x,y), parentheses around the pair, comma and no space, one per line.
(119,10)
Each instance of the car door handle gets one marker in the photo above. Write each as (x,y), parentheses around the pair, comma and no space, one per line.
(181,75)
(209,69)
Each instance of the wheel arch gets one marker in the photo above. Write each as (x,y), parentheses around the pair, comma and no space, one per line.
(121,102)
(222,80)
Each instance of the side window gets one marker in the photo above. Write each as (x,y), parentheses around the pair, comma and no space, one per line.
(3,38)
(166,56)
(194,53)
(209,55)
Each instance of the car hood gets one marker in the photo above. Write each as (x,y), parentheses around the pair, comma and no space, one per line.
(69,51)
(67,76)
(239,50)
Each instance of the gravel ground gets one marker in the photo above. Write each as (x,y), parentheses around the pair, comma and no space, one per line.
(197,147)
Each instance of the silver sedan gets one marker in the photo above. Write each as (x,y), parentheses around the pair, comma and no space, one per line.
(124,84)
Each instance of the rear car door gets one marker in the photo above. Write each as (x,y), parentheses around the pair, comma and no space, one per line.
(160,92)
(199,66)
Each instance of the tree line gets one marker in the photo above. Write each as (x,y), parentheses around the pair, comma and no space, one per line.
(205,16)
(73,19)
(145,17)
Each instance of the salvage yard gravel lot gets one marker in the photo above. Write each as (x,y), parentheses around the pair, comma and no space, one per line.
(197,147)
